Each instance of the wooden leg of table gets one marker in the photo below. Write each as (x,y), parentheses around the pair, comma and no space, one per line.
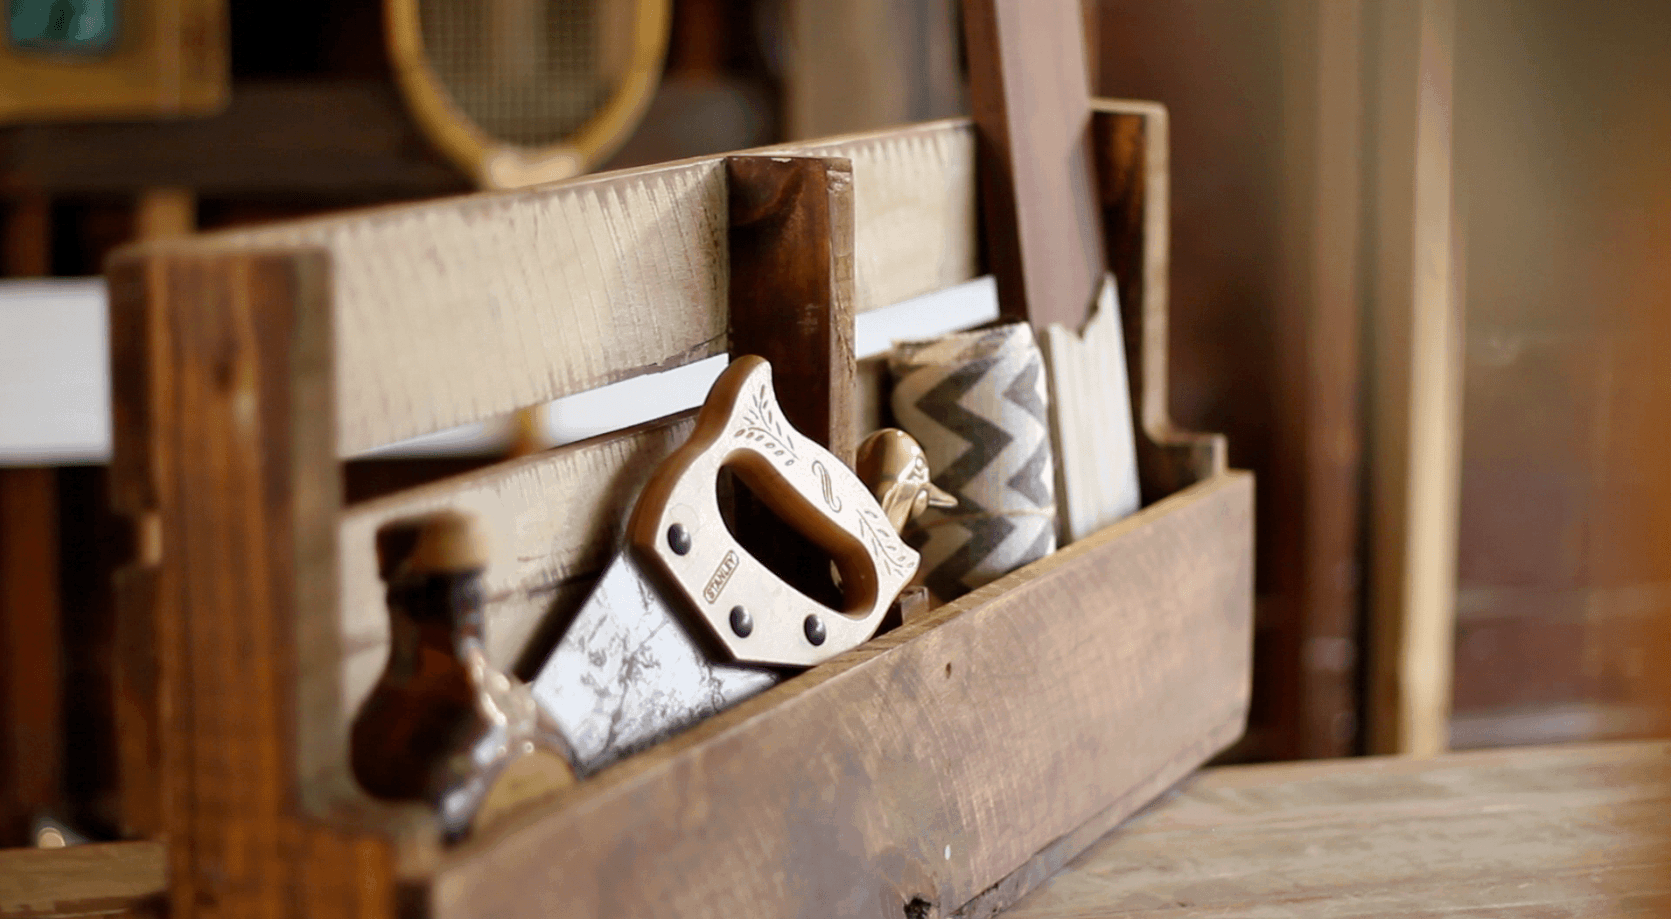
(30,701)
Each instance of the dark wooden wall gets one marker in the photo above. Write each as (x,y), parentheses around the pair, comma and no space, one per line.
(1564,194)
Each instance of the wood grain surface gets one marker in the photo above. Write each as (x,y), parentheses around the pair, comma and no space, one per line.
(1552,831)
(1029,92)
(31,670)
(1133,190)
(591,281)
(923,765)
(100,879)
(791,292)
(241,581)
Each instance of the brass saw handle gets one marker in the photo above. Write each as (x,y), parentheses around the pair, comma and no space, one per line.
(754,614)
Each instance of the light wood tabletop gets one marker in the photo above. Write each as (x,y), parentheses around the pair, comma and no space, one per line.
(1572,831)
(1539,831)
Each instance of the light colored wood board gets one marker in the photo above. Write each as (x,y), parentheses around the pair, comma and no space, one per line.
(791,291)
(556,520)
(1096,466)
(465,309)
(164,213)
(468,308)
(1415,415)
(99,879)
(914,208)
(1581,830)
(243,581)
(929,763)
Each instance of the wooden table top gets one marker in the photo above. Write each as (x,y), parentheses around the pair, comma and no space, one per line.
(1542,831)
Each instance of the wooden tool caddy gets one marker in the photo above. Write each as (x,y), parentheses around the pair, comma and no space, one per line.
(942,769)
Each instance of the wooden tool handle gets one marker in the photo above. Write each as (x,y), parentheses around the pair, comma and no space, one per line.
(1031,102)
(677,524)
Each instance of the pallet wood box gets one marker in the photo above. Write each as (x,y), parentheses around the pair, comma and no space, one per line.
(944,768)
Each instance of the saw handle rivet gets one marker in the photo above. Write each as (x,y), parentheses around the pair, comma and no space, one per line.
(678,539)
(741,622)
(814,628)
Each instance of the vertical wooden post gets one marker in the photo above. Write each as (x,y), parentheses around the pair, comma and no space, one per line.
(31,702)
(1416,384)
(1129,148)
(791,292)
(163,213)
(224,455)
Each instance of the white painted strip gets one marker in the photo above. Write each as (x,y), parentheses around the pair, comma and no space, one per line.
(55,375)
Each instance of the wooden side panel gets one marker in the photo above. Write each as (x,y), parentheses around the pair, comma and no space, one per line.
(241,413)
(1130,152)
(470,308)
(925,764)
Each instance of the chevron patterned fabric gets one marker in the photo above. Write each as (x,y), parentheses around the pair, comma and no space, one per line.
(977,403)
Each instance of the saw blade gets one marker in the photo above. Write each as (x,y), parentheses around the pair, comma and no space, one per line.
(628,674)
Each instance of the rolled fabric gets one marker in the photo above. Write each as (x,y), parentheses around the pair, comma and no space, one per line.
(977,402)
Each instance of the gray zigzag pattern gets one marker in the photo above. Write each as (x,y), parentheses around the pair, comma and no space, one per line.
(1033,479)
(984,442)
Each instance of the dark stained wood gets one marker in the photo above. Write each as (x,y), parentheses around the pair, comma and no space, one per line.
(1130,153)
(928,764)
(234,413)
(1556,831)
(1030,99)
(790,238)
(99,879)
(31,701)
(791,287)
(345,139)
(1267,156)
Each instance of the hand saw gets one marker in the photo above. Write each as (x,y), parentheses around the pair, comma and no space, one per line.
(682,624)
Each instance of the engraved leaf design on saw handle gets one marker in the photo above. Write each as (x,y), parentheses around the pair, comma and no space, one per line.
(677,526)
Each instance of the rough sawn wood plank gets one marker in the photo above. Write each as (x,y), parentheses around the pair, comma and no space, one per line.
(1555,831)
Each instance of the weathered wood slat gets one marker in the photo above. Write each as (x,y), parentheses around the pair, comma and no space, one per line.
(1568,831)
(101,879)
(466,309)
(925,764)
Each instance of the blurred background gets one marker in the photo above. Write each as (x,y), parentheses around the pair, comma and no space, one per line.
(1421,276)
